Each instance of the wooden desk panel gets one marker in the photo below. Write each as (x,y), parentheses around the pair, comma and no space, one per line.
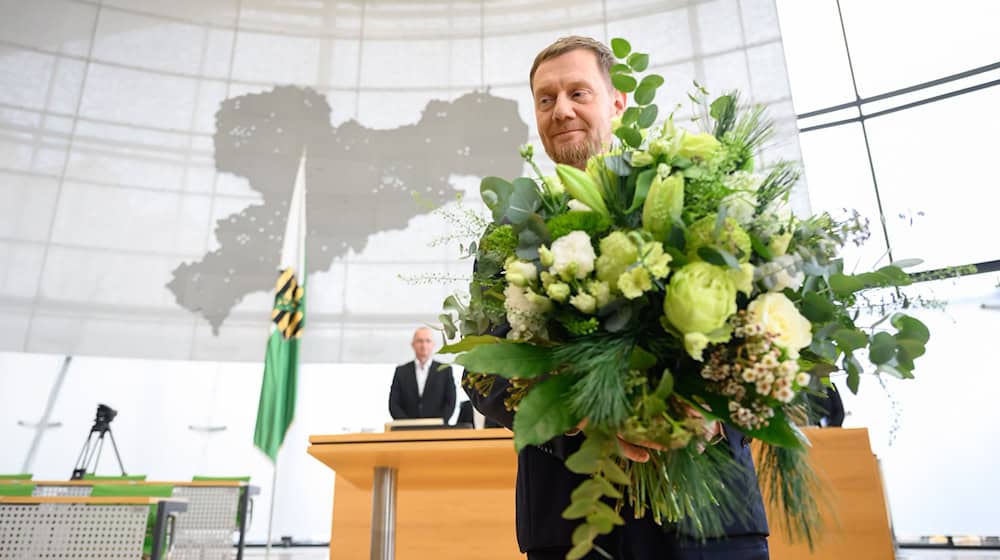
(458,501)
(454,492)
(857,519)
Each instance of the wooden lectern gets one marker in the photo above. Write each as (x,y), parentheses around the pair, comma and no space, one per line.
(453,498)
(449,494)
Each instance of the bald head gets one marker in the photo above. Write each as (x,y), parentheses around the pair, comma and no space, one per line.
(423,344)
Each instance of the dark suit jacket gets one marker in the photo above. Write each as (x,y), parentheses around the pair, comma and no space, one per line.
(437,400)
(544,484)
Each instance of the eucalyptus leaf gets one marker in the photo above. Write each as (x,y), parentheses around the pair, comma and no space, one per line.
(620,68)
(524,201)
(620,47)
(623,82)
(854,371)
(825,349)
(544,412)
(630,116)
(652,81)
(448,324)
(629,135)
(644,95)
(638,61)
(883,348)
(495,193)
(817,308)
(850,340)
(648,116)
(910,328)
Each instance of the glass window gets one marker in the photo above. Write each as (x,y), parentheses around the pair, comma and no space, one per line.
(814,53)
(934,164)
(896,43)
(839,178)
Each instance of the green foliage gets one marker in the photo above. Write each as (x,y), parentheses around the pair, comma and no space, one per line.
(793,489)
(578,325)
(498,243)
(509,360)
(468,343)
(601,362)
(844,285)
(638,61)
(623,82)
(543,412)
(629,135)
(524,201)
(591,222)
(620,47)
(495,193)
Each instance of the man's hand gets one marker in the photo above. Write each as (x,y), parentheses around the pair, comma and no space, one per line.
(637,451)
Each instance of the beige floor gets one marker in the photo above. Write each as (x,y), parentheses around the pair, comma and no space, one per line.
(905,554)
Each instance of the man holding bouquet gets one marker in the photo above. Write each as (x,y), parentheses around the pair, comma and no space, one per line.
(575,105)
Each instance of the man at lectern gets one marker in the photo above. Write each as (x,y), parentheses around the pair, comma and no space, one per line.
(422,388)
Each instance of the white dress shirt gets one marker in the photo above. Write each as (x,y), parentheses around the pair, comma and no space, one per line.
(422,371)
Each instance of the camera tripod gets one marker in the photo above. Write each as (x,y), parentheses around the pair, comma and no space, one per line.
(90,454)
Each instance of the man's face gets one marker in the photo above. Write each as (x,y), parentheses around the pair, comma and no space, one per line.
(423,344)
(574,107)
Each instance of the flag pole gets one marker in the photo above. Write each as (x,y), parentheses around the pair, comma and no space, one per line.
(270,517)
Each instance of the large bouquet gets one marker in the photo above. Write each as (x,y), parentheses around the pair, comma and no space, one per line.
(667,285)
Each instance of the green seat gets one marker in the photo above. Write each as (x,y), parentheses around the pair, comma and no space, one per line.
(200,478)
(134,477)
(16,489)
(18,476)
(137,491)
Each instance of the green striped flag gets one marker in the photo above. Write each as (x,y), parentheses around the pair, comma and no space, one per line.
(281,363)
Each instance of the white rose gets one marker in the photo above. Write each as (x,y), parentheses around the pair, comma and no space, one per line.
(777,315)
(573,256)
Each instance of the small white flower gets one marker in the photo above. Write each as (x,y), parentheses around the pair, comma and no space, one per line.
(784,395)
(789,368)
(763,387)
(573,256)
(803,379)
